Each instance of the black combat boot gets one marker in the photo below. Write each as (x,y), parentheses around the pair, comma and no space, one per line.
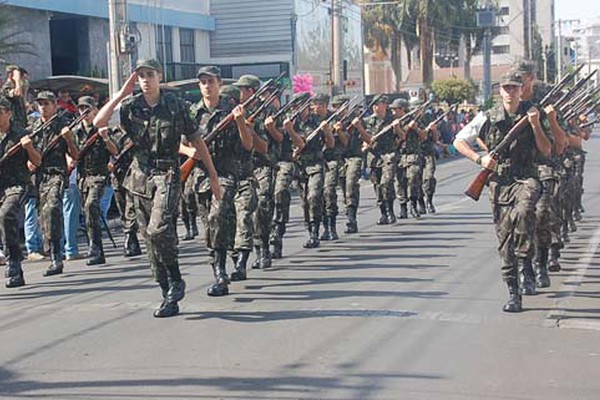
(168,308)
(221,285)
(542,280)
(403,211)
(56,267)
(265,256)
(326,235)
(333,228)
(572,225)
(256,263)
(414,212)
(96,253)
(383,219)
(240,266)
(277,236)
(514,304)
(554,264)
(14,274)
(351,223)
(422,208)
(430,207)
(132,245)
(526,276)
(389,207)
(313,238)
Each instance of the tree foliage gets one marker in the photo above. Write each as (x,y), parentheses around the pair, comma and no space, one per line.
(453,90)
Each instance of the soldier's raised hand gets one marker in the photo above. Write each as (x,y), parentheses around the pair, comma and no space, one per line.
(533,115)
(128,86)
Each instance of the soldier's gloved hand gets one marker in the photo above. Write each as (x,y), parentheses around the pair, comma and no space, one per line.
(26,142)
(325,126)
(431,126)
(488,162)
(533,115)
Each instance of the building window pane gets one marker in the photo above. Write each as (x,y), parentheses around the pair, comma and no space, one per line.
(187,43)
(164,43)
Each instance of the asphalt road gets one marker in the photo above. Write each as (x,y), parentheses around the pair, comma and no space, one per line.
(409,311)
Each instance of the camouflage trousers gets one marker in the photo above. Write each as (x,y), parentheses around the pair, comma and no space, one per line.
(428,175)
(352,182)
(188,206)
(284,175)
(547,222)
(408,178)
(382,178)
(579,160)
(92,190)
(567,195)
(311,192)
(330,185)
(155,211)
(245,201)
(125,204)
(513,208)
(50,207)
(12,203)
(221,218)
(263,218)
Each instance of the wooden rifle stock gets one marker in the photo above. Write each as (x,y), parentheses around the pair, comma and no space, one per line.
(116,160)
(186,169)
(476,186)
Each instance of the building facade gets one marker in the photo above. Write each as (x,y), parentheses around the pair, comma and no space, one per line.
(71,36)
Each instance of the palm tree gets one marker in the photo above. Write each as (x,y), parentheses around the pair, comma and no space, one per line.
(9,35)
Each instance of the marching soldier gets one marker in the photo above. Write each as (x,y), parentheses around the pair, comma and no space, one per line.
(93,171)
(311,163)
(284,176)
(383,157)
(227,151)
(14,180)
(514,188)
(155,121)
(428,164)
(55,142)
(15,91)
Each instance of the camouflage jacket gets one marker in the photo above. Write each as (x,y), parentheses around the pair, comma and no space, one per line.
(95,162)
(53,159)
(14,172)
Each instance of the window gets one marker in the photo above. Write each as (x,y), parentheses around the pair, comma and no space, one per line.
(164,43)
(503,30)
(187,44)
(501,49)
(503,11)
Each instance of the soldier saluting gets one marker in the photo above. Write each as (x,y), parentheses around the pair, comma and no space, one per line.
(155,122)
(514,188)
(14,179)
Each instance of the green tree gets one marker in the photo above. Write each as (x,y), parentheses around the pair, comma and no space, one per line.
(9,35)
(453,90)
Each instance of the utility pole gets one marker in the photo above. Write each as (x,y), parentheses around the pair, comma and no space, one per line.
(122,44)
(486,19)
(337,75)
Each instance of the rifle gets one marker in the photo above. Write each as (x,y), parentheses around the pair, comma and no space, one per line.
(589,123)
(187,167)
(298,100)
(17,147)
(116,160)
(317,130)
(263,106)
(403,118)
(54,142)
(476,186)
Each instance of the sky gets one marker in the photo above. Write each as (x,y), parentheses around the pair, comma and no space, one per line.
(575,9)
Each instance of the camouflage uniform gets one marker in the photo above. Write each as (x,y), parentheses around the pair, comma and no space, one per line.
(311,177)
(428,166)
(19,113)
(93,172)
(124,199)
(188,208)
(264,172)
(383,160)
(52,179)
(514,191)
(353,173)
(219,216)
(408,179)
(153,180)
(14,180)
(333,165)
(284,176)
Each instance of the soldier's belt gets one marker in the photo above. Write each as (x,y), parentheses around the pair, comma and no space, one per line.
(164,164)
